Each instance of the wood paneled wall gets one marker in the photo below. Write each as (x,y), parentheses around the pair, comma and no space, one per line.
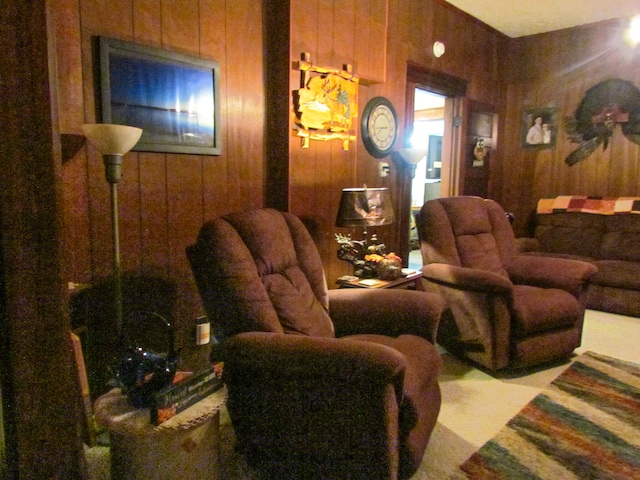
(555,70)
(164,198)
(326,29)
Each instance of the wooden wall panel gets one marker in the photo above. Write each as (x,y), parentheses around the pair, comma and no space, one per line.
(164,198)
(305,31)
(410,30)
(184,218)
(245,105)
(76,249)
(180,20)
(170,195)
(362,40)
(147,19)
(213,31)
(555,70)
(129,213)
(38,396)
(154,225)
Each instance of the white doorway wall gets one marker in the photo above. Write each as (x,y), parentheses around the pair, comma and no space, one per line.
(428,122)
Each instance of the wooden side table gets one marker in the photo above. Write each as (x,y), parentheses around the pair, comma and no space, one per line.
(410,281)
(186,446)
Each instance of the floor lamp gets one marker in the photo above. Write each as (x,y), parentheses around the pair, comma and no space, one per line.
(412,156)
(113,141)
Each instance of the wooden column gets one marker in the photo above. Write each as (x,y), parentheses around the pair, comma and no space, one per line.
(37,388)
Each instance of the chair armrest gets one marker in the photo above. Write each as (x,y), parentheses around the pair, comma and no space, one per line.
(551,272)
(283,359)
(527,244)
(385,312)
(466,278)
(291,396)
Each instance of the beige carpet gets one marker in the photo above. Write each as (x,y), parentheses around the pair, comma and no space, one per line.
(475,405)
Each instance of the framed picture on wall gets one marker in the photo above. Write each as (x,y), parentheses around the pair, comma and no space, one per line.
(174,98)
(539,128)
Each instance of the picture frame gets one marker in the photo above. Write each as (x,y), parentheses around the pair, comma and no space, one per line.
(174,98)
(539,128)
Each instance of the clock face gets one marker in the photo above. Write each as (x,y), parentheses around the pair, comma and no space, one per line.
(379,127)
(382,127)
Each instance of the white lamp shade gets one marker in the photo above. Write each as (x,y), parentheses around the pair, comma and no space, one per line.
(112,139)
(413,155)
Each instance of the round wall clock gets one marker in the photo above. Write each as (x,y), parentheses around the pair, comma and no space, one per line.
(379,127)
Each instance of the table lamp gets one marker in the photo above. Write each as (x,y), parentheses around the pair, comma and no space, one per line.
(362,207)
(365,207)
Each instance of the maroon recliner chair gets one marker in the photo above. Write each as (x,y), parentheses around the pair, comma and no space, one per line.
(331,384)
(503,309)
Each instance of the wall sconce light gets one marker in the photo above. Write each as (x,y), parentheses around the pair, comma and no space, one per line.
(113,141)
(412,156)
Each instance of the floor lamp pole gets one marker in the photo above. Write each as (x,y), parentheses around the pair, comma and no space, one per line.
(113,173)
(117,269)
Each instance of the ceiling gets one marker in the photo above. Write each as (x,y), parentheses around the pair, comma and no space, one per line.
(520,18)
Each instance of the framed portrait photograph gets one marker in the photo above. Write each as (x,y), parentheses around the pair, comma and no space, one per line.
(539,128)
(173,97)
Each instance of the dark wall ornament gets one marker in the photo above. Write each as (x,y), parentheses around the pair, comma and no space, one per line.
(604,106)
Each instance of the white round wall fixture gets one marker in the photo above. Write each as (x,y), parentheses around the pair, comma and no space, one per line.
(438,49)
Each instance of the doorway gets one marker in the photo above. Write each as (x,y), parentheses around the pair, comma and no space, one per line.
(428,130)
(425,84)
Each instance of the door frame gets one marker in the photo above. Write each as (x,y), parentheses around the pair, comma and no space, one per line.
(455,89)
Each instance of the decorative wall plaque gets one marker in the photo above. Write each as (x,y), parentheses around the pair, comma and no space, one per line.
(326,104)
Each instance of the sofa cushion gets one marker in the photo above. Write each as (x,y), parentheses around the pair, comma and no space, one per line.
(575,233)
(566,256)
(617,273)
(541,309)
(621,240)
(298,309)
(283,269)
(474,230)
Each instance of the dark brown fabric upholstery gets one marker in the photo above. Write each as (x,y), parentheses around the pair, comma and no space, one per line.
(610,242)
(330,384)
(504,309)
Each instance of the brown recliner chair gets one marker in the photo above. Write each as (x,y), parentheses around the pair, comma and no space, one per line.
(304,403)
(503,309)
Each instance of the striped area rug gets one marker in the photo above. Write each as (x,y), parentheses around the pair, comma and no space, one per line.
(585,426)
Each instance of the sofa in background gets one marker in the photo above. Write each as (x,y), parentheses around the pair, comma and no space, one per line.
(604,231)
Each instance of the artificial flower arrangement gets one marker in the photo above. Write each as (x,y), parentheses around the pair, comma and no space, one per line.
(369,261)
(387,266)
